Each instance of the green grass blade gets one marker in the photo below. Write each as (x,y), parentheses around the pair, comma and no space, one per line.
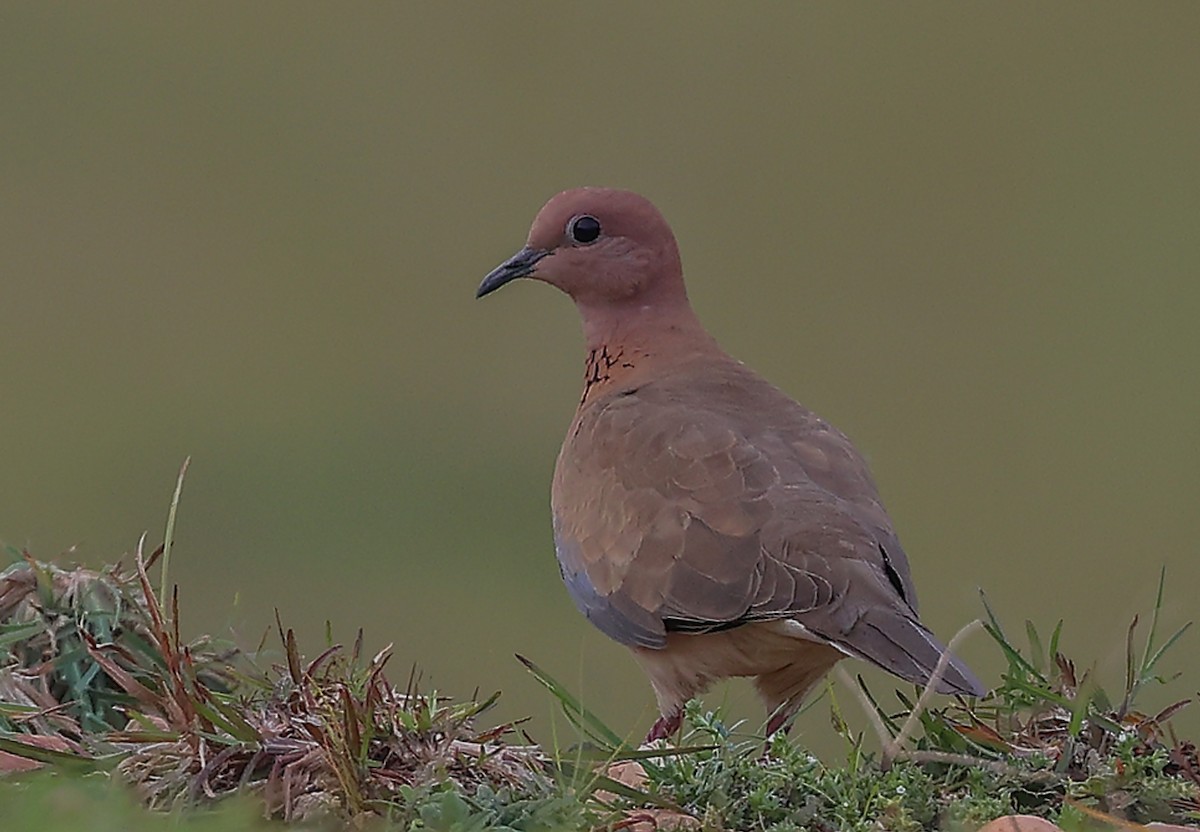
(992,619)
(62,759)
(580,716)
(1079,709)
(16,709)
(1148,667)
(12,633)
(586,752)
(1054,639)
(1015,659)
(169,536)
(1037,654)
(1158,600)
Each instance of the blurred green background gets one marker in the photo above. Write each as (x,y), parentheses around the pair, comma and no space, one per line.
(251,233)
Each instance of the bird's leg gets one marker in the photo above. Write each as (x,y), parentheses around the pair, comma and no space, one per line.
(781,720)
(667,725)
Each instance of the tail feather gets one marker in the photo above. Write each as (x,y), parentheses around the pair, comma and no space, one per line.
(902,646)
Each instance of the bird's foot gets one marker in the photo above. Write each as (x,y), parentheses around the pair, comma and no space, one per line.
(667,725)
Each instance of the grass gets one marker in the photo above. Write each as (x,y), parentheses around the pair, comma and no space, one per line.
(127,717)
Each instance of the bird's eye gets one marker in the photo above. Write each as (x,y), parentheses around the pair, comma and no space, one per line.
(583,229)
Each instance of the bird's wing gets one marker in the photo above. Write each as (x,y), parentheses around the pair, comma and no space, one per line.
(678,518)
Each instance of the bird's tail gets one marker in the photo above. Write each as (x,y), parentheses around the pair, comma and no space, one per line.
(902,645)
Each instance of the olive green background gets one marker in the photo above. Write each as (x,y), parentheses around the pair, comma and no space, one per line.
(965,233)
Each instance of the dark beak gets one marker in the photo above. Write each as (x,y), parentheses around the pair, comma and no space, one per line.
(519,265)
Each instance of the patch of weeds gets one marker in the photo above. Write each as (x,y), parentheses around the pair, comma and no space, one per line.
(735,785)
(1047,741)
(93,670)
(1090,748)
(77,649)
(444,808)
(95,678)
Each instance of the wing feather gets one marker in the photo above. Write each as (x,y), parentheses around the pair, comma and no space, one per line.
(677,507)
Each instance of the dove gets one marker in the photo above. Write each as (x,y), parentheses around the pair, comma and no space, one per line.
(702,517)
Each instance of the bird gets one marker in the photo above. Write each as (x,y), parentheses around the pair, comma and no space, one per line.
(702,517)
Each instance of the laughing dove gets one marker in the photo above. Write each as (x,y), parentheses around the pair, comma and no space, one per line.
(701,517)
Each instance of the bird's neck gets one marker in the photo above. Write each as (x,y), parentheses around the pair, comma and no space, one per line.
(627,344)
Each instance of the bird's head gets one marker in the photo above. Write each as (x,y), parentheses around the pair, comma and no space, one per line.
(601,246)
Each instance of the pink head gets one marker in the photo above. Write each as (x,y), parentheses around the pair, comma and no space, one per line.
(605,248)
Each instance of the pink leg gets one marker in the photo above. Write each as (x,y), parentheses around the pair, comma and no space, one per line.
(781,721)
(667,725)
